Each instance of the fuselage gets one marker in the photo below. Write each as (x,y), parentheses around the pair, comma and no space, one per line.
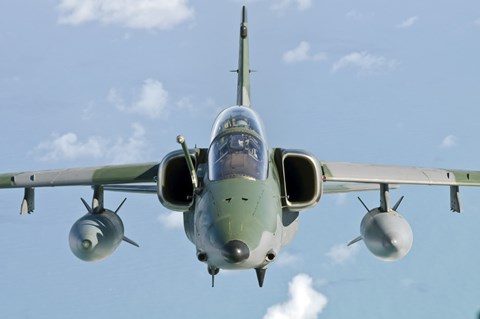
(238,212)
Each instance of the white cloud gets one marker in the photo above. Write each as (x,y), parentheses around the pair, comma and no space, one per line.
(283,5)
(302,53)
(171,220)
(407,23)
(133,149)
(341,253)
(186,104)
(364,62)
(304,303)
(449,141)
(88,112)
(69,147)
(137,14)
(477,22)
(358,16)
(288,259)
(152,101)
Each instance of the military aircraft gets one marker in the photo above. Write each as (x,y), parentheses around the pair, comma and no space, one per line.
(240,200)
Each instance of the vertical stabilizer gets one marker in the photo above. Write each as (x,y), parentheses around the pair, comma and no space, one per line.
(243,86)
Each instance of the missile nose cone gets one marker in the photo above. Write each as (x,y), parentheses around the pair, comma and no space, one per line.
(86,244)
(235,251)
(392,243)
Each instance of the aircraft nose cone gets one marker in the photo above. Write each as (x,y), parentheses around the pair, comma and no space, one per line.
(235,251)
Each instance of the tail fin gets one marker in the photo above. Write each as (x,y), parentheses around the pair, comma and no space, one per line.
(243,86)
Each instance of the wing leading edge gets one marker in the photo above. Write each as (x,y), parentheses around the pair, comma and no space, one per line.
(385,174)
(112,174)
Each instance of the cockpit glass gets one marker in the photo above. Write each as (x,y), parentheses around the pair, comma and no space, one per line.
(238,148)
(237,117)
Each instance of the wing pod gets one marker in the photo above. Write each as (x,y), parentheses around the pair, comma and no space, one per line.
(387,235)
(385,232)
(96,235)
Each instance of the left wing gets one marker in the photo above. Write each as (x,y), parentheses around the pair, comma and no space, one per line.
(385,175)
(340,187)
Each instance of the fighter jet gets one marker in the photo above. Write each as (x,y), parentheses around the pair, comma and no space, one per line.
(240,199)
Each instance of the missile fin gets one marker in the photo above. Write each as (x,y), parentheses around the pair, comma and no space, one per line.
(89,209)
(355,240)
(361,201)
(398,203)
(131,242)
(120,206)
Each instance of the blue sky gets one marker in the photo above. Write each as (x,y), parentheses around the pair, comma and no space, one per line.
(100,82)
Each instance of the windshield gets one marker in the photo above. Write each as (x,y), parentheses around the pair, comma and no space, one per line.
(237,117)
(237,148)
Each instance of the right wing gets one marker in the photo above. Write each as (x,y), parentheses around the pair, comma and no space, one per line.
(100,175)
(93,176)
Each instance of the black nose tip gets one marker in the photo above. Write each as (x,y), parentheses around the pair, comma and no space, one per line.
(235,251)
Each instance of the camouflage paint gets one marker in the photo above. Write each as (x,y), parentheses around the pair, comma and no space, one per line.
(239,209)
(113,174)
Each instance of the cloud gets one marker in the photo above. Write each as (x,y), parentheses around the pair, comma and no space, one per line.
(288,259)
(171,220)
(133,149)
(69,147)
(364,62)
(477,22)
(407,23)
(302,53)
(185,103)
(449,141)
(283,5)
(305,302)
(358,16)
(152,101)
(341,253)
(136,14)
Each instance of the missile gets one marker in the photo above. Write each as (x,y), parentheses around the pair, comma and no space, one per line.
(97,234)
(387,235)
(385,232)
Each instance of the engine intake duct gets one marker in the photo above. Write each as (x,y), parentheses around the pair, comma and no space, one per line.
(300,178)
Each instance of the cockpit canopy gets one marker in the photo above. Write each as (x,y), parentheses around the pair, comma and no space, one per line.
(238,147)
(237,117)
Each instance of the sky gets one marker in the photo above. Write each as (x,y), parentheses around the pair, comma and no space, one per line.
(87,83)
